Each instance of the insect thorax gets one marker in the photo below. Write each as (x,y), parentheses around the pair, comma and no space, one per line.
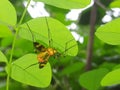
(51,51)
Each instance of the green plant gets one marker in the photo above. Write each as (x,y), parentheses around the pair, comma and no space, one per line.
(8,25)
(17,51)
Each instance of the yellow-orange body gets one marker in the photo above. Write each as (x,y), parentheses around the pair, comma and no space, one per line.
(44,55)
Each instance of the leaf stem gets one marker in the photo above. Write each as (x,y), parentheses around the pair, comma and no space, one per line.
(13,46)
(24,12)
(10,61)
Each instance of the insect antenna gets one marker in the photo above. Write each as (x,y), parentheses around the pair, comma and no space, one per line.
(30,32)
(37,46)
(49,36)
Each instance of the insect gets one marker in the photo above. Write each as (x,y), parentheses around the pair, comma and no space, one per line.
(44,53)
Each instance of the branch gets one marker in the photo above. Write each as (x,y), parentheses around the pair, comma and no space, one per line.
(91,36)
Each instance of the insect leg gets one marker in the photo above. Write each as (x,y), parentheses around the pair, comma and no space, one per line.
(25,71)
(66,46)
(31,65)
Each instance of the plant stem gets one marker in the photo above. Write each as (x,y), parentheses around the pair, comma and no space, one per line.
(24,12)
(91,36)
(13,46)
(10,61)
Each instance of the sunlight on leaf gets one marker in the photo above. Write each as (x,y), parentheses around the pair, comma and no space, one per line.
(110,32)
(71,4)
(5,31)
(111,78)
(7,17)
(33,75)
(7,13)
(61,38)
(115,4)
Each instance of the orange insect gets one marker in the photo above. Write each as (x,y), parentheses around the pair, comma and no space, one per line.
(43,53)
(43,56)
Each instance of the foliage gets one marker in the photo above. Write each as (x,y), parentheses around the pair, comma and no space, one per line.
(72,4)
(115,4)
(64,71)
(110,29)
(94,77)
(32,76)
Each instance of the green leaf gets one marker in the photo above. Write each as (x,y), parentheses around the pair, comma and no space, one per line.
(72,68)
(5,31)
(111,78)
(116,67)
(107,65)
(33,75)
(91,79)
(20,49)
(61,38)
(115,4)
(7,18)
(110,32)
(71,4)
(6,41)
(7,13)
(3,58)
